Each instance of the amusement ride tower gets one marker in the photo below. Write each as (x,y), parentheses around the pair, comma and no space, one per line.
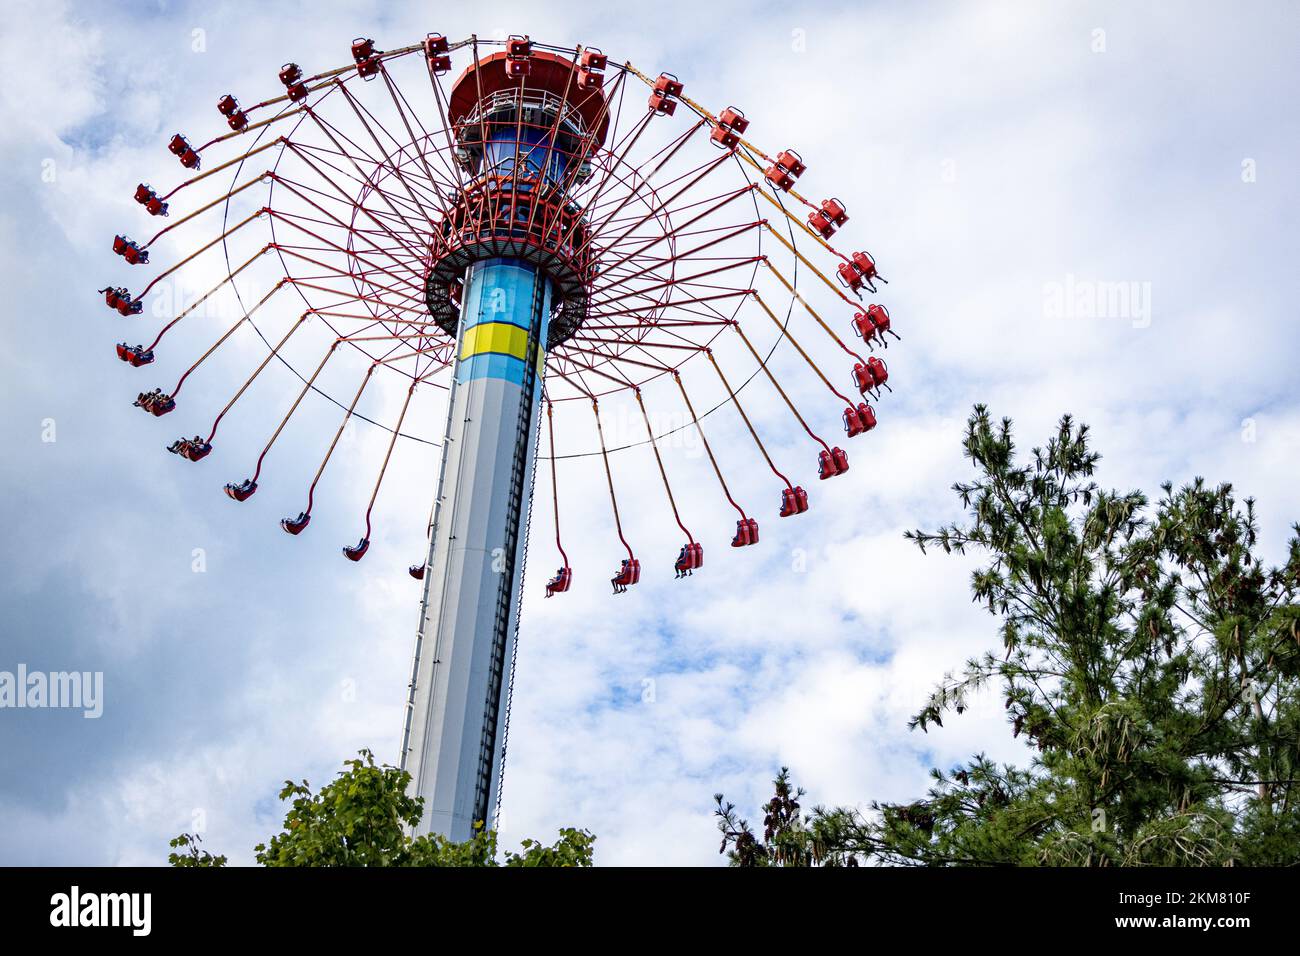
(531,235)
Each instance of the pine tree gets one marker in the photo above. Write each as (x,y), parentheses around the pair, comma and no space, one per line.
(1148,657)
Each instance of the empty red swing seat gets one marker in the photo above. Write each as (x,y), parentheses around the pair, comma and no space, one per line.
(367,60)
(733,119)
(143,193)
(291,77)
(416,571)
(560,583)
(835,212)
(663,100)
(591,69)
(519,52)
(787,167)
(746,533)
(791,162)
(437,54)
(241,491)
(295,525)
(134,355)
(794,501)
(731,125)
(358,551)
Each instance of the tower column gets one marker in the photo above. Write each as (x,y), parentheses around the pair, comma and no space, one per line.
(453,736)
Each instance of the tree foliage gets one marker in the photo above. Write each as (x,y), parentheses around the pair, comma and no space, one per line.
(366,817)
(1148,657)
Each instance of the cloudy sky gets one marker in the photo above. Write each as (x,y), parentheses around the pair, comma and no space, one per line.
(997,159)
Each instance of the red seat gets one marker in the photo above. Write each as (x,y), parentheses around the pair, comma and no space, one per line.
(865,376)
(821,224)
(291,77)
(733,119)
(228,107)
(156,403)
(241,491)
(835,212)
(746,533)
(519,52)
(832,463)
(664,98)
(791,162)
(560,583)
(191,449)
(437,53)
(118,298)
(723,137)
(143,193)
(130,251)
(688,559)
(850,277)
(181,148)
(416,571)
(358,551)
(295,525)
(794,501)
(591,68)
(858,421)
(629,573)
(367,60)
(787,167)
(873,324)
(879,371)
(135,355)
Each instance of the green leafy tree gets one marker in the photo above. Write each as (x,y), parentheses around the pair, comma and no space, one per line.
(1148,657)
(187,852)
(366,817)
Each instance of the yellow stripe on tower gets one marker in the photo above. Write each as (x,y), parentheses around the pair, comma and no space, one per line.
(503,338)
